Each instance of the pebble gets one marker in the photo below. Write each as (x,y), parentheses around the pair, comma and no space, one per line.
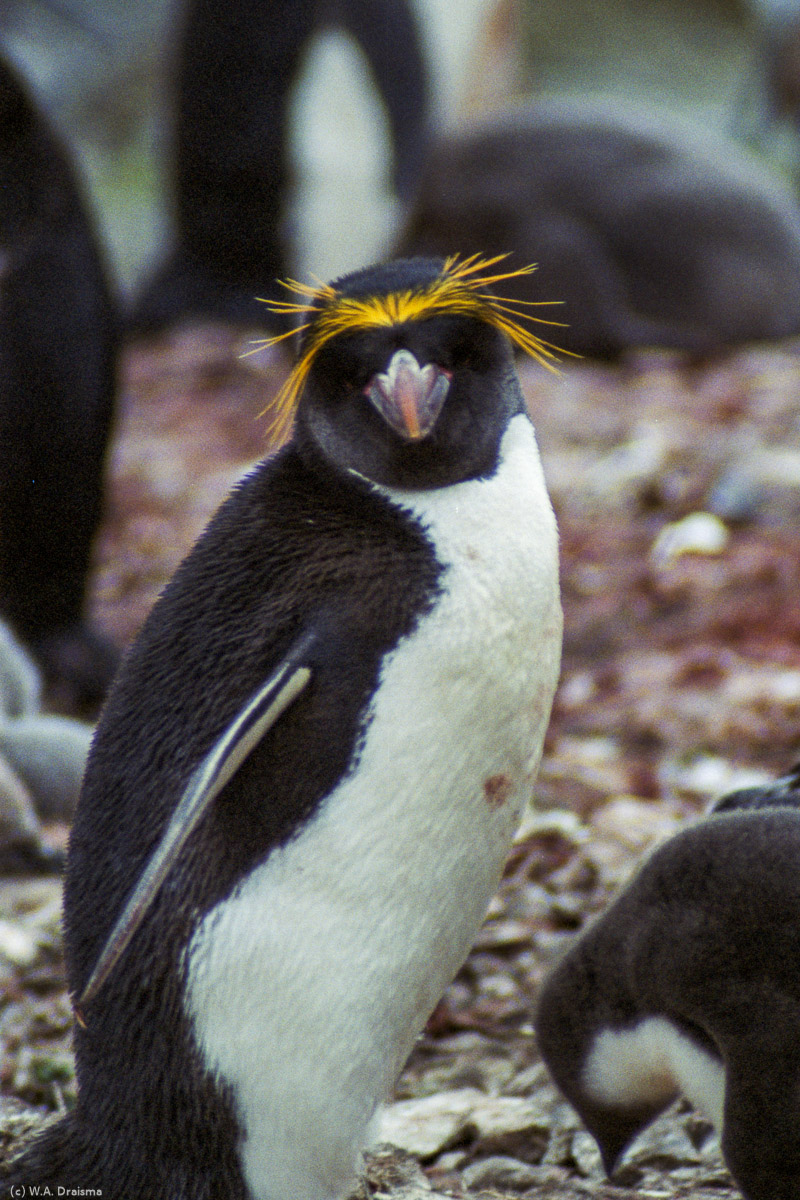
(42,759)
(428,1126)
(501,1172)
(16,945)
(637,824)
(586,1155)
(699,533)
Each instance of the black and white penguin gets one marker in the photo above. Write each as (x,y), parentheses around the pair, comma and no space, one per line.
(230,168)
(690,984)
(310,768)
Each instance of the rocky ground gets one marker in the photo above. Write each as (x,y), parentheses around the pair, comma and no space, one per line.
(677,488)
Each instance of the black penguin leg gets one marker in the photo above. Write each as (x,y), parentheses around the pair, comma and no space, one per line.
(237,63)
(390,39)
(239,60)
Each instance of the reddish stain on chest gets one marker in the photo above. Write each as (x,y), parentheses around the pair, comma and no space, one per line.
(497,789)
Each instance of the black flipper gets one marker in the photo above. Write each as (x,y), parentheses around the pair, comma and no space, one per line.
(208,779)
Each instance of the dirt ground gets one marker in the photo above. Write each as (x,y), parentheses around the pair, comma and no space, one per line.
(677,489)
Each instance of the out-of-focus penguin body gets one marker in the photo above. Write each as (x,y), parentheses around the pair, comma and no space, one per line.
(650,232)
(58,342)
(690,983)
(274,985)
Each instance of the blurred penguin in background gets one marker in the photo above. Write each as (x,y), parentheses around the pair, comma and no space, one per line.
(652,231)
(777,23)
(619,175)
(58,346)
(237,66)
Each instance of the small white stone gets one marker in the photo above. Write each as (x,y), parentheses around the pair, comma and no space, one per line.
(426,1126)
(637,824)
(764,685)
(709,776)
(17,946)
(551,820)
(699,533)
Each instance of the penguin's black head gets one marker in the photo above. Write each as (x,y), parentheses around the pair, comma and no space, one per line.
(614,1127)
(405,372)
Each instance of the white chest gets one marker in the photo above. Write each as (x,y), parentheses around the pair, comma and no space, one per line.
(649,1063)
(310,983)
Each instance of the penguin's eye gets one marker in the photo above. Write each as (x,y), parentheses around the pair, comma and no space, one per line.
(346,368)
(352,380)
(463,344)
(472,354)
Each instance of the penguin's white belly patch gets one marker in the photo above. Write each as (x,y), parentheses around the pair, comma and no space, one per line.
(343,940)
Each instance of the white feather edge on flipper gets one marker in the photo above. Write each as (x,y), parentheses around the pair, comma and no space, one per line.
(208,779)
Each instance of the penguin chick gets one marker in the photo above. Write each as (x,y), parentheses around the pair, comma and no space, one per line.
(690,984)
(311,765)
(653,232)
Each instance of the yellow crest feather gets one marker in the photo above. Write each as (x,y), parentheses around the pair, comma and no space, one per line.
(459,289)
